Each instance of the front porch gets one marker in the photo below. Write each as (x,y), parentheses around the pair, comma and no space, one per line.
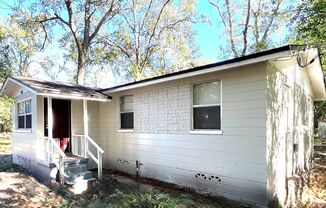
(66,140)
(56,128)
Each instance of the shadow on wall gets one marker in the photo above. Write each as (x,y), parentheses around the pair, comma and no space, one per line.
(289,136)
(275,136)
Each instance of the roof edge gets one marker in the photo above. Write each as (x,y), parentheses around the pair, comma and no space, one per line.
(198,68)
(10,78)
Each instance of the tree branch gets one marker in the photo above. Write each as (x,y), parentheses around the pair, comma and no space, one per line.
(44,29)
(275,11)
(102,21)
(71,23)
(153,32)
(245,31)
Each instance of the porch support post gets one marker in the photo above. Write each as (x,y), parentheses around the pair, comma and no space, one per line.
(50,126)
(85,118)
(50,118)
(85,126)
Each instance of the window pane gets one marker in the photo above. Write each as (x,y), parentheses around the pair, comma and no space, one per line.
(28,106)
(21,122)
(21,108)
(207,117)
(126,103)
(207,93)
(127,120)
(28,121)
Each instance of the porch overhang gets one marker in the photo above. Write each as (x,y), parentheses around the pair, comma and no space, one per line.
(74,97)
(12,86)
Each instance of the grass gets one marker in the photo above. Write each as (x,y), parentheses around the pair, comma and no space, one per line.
(5,143)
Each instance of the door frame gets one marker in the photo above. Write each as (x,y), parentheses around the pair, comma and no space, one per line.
(45,103)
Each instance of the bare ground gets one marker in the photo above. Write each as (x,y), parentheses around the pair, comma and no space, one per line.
(19,189)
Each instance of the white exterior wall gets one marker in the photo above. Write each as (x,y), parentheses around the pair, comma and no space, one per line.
(25,142)
(77,117)
(162,141)
(289,123)
(77,123)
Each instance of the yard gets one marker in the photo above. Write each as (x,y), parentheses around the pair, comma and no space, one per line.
(19,189)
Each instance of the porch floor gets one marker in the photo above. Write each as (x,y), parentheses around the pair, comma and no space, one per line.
(70,157)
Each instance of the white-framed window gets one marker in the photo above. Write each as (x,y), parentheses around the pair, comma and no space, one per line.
(24,118)
(127,112)
(206,108)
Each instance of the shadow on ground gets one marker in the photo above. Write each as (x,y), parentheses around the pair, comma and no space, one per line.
(19,189)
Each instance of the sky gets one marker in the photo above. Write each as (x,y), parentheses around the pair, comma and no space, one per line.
(205,32)
(208,36)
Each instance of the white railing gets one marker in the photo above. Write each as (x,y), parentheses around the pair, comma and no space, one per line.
(80,146)
(56,155)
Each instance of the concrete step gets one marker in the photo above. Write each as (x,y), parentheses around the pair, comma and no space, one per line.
(76,168)
(72,179)
(75,161)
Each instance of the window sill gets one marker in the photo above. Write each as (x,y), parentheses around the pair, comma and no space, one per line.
(125,130)
(214,132)
(23,131)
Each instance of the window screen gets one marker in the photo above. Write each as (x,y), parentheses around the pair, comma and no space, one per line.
(126,112)
(207,105)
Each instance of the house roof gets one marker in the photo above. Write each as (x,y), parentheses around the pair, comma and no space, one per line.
(56,89)
(60,89)
(260,56)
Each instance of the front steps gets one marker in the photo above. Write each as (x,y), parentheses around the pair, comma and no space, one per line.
(76,169)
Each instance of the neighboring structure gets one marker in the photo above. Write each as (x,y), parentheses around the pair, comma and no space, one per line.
(322,129)
(238,128)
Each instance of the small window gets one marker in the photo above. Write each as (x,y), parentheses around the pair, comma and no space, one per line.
(24,114)
(207,106)
(127,112)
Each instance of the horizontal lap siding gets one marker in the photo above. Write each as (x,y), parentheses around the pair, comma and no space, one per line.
(77,117)
(162,142)
(25,144)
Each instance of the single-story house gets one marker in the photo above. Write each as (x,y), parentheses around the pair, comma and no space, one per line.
(237,128)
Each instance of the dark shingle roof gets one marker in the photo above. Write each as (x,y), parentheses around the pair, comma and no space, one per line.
(60,88)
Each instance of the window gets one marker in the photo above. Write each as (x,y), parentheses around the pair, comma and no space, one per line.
(25,114)
(207,106)
(127,112)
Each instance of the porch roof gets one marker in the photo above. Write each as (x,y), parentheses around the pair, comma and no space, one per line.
(56,89)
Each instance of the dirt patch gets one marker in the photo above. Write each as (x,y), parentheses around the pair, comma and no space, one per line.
(308,189)
(19,189)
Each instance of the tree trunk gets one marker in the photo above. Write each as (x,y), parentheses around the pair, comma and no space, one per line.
(80,77)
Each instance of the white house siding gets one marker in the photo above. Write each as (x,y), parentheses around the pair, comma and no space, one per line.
(289,123)
(162,141)
(25,141)
(77,117)
(77,123)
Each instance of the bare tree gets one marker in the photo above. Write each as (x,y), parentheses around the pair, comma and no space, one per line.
(82,19)
(255,23)
(154,37)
